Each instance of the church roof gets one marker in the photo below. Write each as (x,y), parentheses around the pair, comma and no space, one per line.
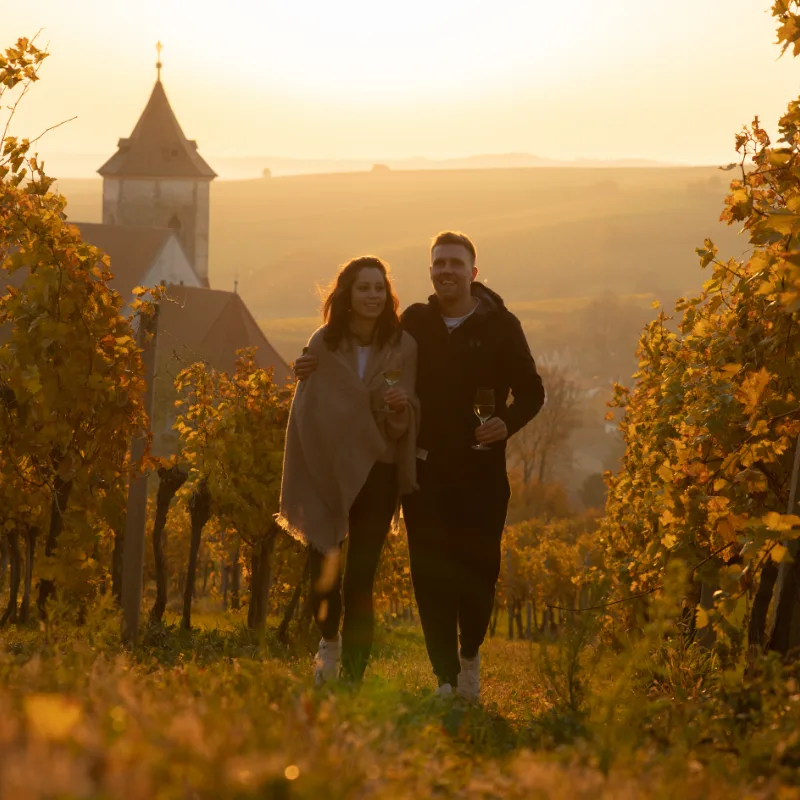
(211,325)
(132,250)
(157,148)
(198,324)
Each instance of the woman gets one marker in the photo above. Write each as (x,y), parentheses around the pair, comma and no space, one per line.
(350,454)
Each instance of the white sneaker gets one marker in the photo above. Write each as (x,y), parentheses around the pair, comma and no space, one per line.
(326,661)
(469,681)
(445,690)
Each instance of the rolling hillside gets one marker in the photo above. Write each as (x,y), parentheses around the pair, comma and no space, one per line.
(542,234)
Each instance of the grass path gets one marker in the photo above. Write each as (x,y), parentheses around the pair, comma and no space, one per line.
(212,714)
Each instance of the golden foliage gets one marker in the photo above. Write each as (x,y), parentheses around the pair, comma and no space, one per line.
(70,370)
(712,419)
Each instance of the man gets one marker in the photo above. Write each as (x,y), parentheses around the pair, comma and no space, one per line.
(467,339)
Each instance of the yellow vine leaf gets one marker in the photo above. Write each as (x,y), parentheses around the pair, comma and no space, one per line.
(51,716)
(780,522)
(732,369)
(784,223)
(752,389)
(778,553)
(667,517)
(726,530)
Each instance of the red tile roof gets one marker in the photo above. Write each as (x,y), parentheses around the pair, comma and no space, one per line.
(132,250)
(211,325)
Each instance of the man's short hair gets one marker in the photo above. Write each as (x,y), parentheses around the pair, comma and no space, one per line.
(455,237)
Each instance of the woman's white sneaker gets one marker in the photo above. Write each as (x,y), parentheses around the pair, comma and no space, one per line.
(445,690)
(469,681)
(327,660)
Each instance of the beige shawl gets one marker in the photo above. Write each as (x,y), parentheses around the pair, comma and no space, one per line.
(335,435)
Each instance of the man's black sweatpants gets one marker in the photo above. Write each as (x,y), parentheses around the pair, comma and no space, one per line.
(455,525)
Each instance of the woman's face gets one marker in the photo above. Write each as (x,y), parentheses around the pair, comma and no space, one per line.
(368,295)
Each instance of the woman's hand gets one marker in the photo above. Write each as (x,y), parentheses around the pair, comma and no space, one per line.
(397,399)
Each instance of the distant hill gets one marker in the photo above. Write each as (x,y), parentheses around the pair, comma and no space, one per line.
(295,166)
(541,233)
(248,167)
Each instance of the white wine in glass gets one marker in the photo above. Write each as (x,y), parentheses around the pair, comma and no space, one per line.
(392,371)
(484,409)
(392,376)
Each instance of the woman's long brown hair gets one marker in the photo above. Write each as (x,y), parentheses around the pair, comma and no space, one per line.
(336,308)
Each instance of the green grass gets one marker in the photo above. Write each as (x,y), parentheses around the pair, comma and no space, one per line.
(218,713)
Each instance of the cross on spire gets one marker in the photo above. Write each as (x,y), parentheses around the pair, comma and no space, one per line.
(159,48)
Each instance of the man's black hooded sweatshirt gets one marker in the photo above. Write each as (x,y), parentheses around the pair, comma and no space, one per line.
(489,350)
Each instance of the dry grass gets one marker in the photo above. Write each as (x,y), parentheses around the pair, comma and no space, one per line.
(214,714)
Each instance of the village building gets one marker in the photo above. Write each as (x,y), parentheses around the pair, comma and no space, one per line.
(141,256)
(158,179)
(156,220)
(155,231)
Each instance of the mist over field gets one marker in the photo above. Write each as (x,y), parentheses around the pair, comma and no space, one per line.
(549,240)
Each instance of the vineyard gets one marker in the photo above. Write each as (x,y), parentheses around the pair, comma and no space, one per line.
(157,632)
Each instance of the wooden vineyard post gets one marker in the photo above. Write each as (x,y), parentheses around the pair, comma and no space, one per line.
(136,517)
(785,628)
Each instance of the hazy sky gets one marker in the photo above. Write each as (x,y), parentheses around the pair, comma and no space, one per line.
(662,79)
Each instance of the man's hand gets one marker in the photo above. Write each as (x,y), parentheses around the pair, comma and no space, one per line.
(305,365)
(397,399)
(494,430)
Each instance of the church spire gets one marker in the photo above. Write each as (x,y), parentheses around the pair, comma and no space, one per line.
(157,147)
(157,178)
(159,48)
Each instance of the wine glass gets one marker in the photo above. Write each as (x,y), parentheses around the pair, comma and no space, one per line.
(484,408)
(392,371)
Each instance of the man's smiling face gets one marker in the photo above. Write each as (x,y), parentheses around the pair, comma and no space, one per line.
(452,271)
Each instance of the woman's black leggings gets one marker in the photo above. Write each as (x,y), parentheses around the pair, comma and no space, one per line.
(370,519)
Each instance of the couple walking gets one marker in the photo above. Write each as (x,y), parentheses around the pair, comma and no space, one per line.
(433,440)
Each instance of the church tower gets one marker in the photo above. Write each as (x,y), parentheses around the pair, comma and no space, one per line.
(158,179)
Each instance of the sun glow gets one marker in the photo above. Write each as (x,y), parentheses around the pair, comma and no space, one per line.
(357,48)
(359,78)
